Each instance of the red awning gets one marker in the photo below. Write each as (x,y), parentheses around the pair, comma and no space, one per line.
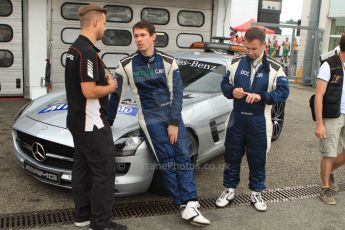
(245,26)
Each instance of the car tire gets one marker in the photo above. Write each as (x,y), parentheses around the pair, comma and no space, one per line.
(277,113)
(157,184)
(193,146)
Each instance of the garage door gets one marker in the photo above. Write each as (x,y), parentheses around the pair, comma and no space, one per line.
(178,24)
(11,52)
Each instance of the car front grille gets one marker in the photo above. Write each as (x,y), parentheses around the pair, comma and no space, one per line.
(58,155)
(63,154)
(50,146)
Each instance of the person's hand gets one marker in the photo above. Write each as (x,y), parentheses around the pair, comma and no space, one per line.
(172,133)
(238,93)
(252,97)
(111,81)
(320,131)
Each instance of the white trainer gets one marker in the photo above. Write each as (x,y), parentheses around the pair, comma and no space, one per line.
(257,201)
(82,224)
(193,215)
(227,195)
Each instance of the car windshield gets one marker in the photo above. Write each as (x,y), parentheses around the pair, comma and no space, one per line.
(201,76)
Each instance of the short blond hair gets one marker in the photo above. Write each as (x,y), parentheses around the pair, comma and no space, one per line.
(92,7)
(89,12)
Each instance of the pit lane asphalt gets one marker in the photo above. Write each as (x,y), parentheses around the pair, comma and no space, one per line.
(293,160)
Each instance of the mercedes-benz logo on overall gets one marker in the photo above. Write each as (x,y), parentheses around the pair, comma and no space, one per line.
(38,152)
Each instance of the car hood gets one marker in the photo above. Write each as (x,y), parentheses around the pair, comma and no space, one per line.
(54,111)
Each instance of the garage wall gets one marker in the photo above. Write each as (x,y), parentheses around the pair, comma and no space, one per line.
(65,28)
(11,48)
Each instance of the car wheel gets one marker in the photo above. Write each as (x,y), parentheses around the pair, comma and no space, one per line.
(193,147)
(157,185)
(277,120)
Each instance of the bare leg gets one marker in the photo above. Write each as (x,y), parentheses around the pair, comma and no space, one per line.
(338,161)
(325,170)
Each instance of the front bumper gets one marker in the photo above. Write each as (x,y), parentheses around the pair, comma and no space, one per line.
(136,179)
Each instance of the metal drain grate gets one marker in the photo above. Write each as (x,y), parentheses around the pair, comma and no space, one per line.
(36,219)
(152,208)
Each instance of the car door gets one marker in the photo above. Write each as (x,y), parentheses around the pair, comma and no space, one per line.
(209,110)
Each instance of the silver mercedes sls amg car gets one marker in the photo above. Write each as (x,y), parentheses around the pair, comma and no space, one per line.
(43,146)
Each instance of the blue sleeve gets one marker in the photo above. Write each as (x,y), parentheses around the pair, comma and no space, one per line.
(177,100)
(279,94)
(226,86)
(114,100)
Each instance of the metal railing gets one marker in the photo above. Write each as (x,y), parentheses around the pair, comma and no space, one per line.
(301,63)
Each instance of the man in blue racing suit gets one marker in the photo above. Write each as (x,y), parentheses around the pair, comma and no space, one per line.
(255,82)
(155,81)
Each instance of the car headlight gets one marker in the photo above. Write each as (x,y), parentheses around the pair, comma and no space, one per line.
(127,145)
(21,111)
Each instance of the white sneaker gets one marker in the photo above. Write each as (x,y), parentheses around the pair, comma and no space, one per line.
(193,215)
(224,199)
(257,201)
(82,224)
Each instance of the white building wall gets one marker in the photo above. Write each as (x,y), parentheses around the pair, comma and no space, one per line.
(325,23)
(222,17)
(303,33)
(242,11)
(232,13)
(37,46)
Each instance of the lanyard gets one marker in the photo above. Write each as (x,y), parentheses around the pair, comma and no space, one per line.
(253,71)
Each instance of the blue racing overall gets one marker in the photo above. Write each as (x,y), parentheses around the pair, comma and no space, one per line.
(157,86)
(250,125)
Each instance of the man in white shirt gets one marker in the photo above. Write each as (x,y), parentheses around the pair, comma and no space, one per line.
(330,119)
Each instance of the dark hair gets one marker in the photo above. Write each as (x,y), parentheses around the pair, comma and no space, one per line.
(255,33)
(342,42)
(144,24)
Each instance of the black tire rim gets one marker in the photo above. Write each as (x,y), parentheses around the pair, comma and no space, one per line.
(277,119)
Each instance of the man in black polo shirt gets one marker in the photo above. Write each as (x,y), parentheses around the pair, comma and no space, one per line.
(87,89)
